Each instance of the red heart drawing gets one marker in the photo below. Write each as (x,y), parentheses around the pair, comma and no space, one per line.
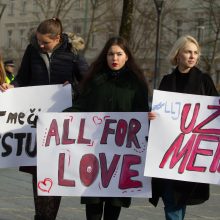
(45,185)
(97,120)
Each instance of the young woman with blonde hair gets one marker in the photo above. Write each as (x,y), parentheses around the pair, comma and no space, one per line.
(185,78)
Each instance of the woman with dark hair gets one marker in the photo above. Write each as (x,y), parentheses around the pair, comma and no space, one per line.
(114,84)
(52,57)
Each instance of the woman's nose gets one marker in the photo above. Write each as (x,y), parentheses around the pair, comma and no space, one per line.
(194,55)
(114,57)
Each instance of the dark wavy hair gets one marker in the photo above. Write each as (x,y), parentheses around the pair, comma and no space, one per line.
(100,64)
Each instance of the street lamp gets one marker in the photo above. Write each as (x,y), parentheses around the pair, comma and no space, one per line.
(158,4)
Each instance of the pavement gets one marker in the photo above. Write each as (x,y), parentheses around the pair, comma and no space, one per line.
(16,203)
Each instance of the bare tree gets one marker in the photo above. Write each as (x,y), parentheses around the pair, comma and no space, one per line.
(212,42)
(103,19)
(54,8)
(126,19)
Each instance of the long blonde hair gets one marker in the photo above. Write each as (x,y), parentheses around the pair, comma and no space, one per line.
(2,71)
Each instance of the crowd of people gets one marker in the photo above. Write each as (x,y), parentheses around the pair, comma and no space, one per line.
(113,82)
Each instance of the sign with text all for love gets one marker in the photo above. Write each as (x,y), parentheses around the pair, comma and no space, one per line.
(92,154)
(19,109)
(184,139)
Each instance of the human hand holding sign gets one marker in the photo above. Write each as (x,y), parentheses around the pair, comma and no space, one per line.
(5,86)
(152,115)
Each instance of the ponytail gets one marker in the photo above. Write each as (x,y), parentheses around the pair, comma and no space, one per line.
(52,26)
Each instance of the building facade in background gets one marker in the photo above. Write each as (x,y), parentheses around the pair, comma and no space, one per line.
(98,20)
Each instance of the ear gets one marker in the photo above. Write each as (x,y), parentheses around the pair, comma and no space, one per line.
(126,59)
(58,37)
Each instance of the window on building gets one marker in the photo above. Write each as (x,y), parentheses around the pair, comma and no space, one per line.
(179,29)
(11,7)
(23,7)
(92,41)
(22,38)
(10,38)
(36,8)
(78,4)
(200,29)
(77,29)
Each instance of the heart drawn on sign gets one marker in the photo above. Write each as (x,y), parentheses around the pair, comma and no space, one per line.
(97,120)
(45,185)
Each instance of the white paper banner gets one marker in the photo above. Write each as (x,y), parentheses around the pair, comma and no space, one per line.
(19,108)
(92,154)
(184,139)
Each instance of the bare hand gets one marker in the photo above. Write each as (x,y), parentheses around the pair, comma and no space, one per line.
(5,86)
(65,83)
(152,115)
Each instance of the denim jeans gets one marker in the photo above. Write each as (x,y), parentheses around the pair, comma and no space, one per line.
(172,211)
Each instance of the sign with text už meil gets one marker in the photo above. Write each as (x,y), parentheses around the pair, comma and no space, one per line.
(92,154)
(184,139)
(19,109)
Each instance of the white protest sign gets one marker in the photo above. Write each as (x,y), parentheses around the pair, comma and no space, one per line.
(19,109)
(184,139)
(92,154)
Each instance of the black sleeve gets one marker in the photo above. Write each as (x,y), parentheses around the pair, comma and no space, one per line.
(81,67)
(23,76)
(165,83)
(141,99)
(209,87)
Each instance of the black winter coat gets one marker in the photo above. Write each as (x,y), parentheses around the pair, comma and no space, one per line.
(185,193)
(64,65)
(110,92)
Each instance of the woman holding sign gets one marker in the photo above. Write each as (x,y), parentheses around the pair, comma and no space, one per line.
(186,78)
(52,57)
(114,84)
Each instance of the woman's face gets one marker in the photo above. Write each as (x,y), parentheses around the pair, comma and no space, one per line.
(116,57)
(46,43)
(187,57)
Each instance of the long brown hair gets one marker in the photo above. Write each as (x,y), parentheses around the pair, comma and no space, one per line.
(2,71)
(52,26)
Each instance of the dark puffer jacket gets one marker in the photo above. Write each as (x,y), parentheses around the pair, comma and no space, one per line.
(64,64)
